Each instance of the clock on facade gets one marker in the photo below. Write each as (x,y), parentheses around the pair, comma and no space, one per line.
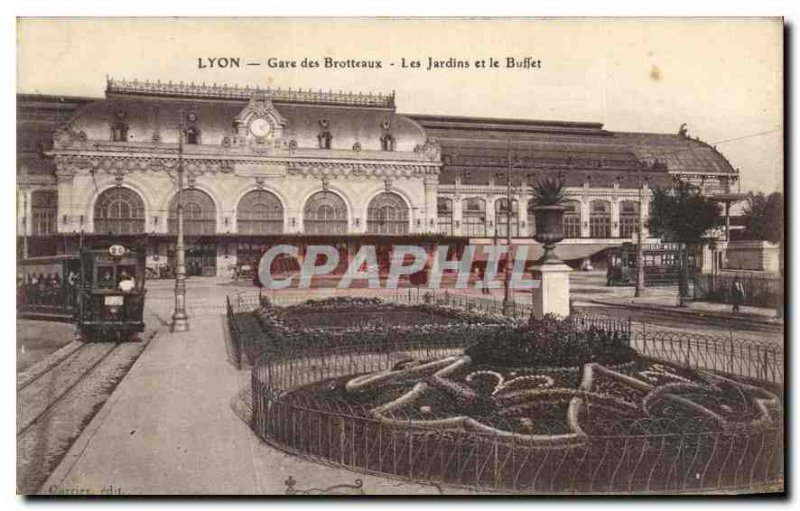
(260,127)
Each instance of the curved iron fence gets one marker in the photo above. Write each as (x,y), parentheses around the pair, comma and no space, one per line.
(760,291)
(644,456)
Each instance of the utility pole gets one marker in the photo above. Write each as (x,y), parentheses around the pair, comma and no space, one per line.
(639,242)
(509,210)
(180,321)
(24,224)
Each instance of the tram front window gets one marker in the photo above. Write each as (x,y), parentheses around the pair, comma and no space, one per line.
(105,277)
(125,278)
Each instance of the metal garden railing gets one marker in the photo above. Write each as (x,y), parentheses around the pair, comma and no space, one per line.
(641,456)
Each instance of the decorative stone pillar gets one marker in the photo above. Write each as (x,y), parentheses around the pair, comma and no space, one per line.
(552,295)
(430,218)
(585,214)
(416,219)
(362,214)
(615,218)
(294,221)
(458,220)
(522,215)
(644,211)
(226,259)
(707,259)
(64,179)
(24,212)
(491,226)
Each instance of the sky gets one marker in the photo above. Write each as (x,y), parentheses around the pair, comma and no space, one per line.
(722,77)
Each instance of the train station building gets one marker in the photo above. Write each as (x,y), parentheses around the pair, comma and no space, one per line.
(267,166)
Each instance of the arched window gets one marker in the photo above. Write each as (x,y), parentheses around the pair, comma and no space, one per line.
(119,132)
(387,213)
(444,211)
(628,218)
(599,219)
(572,219)
(387,142)
(199,213)
(259,212)
(473,213)
(325,139)
(119,211)
(325,213)
(44,211)
(501,217)
(192,136)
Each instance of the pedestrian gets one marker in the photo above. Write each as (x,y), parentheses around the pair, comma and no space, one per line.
(737,293)
(481,277)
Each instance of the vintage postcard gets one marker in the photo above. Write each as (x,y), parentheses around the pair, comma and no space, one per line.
(363,256)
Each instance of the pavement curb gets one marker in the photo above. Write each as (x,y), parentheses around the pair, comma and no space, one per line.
(695,313)
(79,445)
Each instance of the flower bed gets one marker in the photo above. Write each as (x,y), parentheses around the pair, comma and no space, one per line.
(551,343)
(360,322)
(563,431)
(545,406)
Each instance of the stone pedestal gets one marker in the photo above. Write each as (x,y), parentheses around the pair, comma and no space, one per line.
(552,295)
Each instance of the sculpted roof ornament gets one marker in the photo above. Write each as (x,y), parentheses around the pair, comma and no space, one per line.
(234,92)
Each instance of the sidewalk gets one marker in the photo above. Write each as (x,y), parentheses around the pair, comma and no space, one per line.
(169,428)
(668,303)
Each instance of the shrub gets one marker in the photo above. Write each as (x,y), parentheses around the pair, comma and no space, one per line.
(550,342)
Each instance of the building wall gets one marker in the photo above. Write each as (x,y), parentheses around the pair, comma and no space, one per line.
(752,255)
(78,194)
(584,195)
(79,160)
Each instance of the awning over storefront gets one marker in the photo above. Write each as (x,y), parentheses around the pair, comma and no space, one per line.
(565,251)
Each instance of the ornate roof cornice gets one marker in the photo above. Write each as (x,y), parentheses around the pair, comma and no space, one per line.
(69,162)
(327,168)
(214,91)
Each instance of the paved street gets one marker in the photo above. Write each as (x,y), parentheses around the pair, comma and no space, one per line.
(169,428)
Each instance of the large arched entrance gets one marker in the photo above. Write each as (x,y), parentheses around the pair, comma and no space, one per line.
(387,213)
(325,213)
(199,226)
(259,212)
(119,211)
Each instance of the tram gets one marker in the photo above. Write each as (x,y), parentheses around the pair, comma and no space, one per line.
(102,290)
(47,287)
(662,264)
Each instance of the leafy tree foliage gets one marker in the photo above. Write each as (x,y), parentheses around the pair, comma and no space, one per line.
(681,214)
(763,217)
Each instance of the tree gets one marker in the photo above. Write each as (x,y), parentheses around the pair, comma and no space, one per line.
(763,217)
(683,215)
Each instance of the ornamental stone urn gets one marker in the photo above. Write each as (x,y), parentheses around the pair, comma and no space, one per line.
(549,230)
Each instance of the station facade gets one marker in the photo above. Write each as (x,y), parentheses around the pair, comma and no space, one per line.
(267,166)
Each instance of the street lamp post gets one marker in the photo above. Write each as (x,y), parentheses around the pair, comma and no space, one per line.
(509,211)
(180,321)
(24,226)
(639,241)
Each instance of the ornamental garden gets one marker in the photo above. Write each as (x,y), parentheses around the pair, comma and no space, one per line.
(426,391)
